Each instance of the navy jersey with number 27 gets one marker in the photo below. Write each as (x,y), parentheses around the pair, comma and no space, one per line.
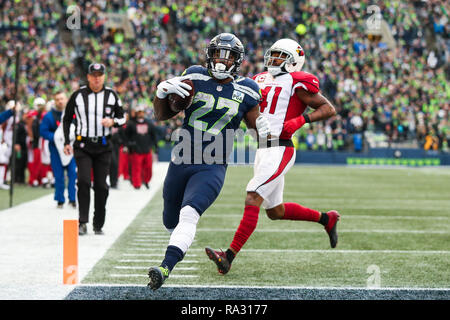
(215,113)
(216,109)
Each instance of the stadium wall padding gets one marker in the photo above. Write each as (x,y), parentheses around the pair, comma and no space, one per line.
(376,156)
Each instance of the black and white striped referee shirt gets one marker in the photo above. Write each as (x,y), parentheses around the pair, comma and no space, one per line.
(89,109)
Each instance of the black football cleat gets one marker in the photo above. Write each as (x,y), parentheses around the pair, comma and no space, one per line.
(82,229)
(331,229)
(220,259)
(99,232)
(157,277)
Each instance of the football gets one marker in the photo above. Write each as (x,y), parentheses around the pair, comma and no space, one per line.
(177,103)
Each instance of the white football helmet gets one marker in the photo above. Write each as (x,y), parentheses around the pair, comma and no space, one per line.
(292,63)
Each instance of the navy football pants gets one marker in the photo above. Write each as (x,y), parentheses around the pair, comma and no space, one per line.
(195,185)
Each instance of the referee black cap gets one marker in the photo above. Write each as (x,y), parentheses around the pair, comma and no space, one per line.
(96,67)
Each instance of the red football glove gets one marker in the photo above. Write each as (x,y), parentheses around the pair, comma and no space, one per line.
(294,124)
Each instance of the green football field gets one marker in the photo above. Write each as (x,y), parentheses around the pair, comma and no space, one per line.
(394,232)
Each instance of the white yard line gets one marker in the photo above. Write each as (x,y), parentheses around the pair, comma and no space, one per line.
(155,261)
(138,241)
(150,255)
(339,231)
(144,237)
(31,240)
(146,268)
(143,254)
(162,245)
(144,275)
(152,234)
(384,217)
(358,204)
(159,249)
(345,216)
(337,251)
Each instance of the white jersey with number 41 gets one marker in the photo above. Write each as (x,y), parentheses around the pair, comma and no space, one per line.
(279,102)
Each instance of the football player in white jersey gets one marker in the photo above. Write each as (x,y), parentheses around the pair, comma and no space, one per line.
(286,93)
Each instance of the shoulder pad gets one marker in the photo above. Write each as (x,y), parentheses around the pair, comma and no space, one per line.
(306,80)
(194,69)
(249,87)
(259,75)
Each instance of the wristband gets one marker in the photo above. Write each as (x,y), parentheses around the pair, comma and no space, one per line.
(307,119)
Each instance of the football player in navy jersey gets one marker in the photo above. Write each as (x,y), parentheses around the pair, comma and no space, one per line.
(221,100)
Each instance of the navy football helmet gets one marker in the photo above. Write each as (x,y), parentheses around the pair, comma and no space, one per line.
(224,55)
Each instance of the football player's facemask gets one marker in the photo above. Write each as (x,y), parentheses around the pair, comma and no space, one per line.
(291,54)
(224,56)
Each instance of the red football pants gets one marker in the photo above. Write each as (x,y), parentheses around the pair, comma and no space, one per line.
(35,167)
(141,168)
(44,170)
(124,166)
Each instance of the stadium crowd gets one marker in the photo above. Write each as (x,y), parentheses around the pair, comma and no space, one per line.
(396,94)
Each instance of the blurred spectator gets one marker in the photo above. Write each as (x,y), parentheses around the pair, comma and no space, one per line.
(21,150)
(49,124)
(310,139)
(399,92)
(141,140)
(431,141)
(5,147)
(357,142)
(6,138)
(37,170)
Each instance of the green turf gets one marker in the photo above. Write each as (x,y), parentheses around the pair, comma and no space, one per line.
(22,193)
(382,209)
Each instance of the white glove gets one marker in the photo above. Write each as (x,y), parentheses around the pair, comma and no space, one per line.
(173,85)
(263,126)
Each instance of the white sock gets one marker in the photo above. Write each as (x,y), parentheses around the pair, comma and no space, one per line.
(2,173)
(184,233)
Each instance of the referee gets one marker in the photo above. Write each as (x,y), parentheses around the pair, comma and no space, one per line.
(94,109)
